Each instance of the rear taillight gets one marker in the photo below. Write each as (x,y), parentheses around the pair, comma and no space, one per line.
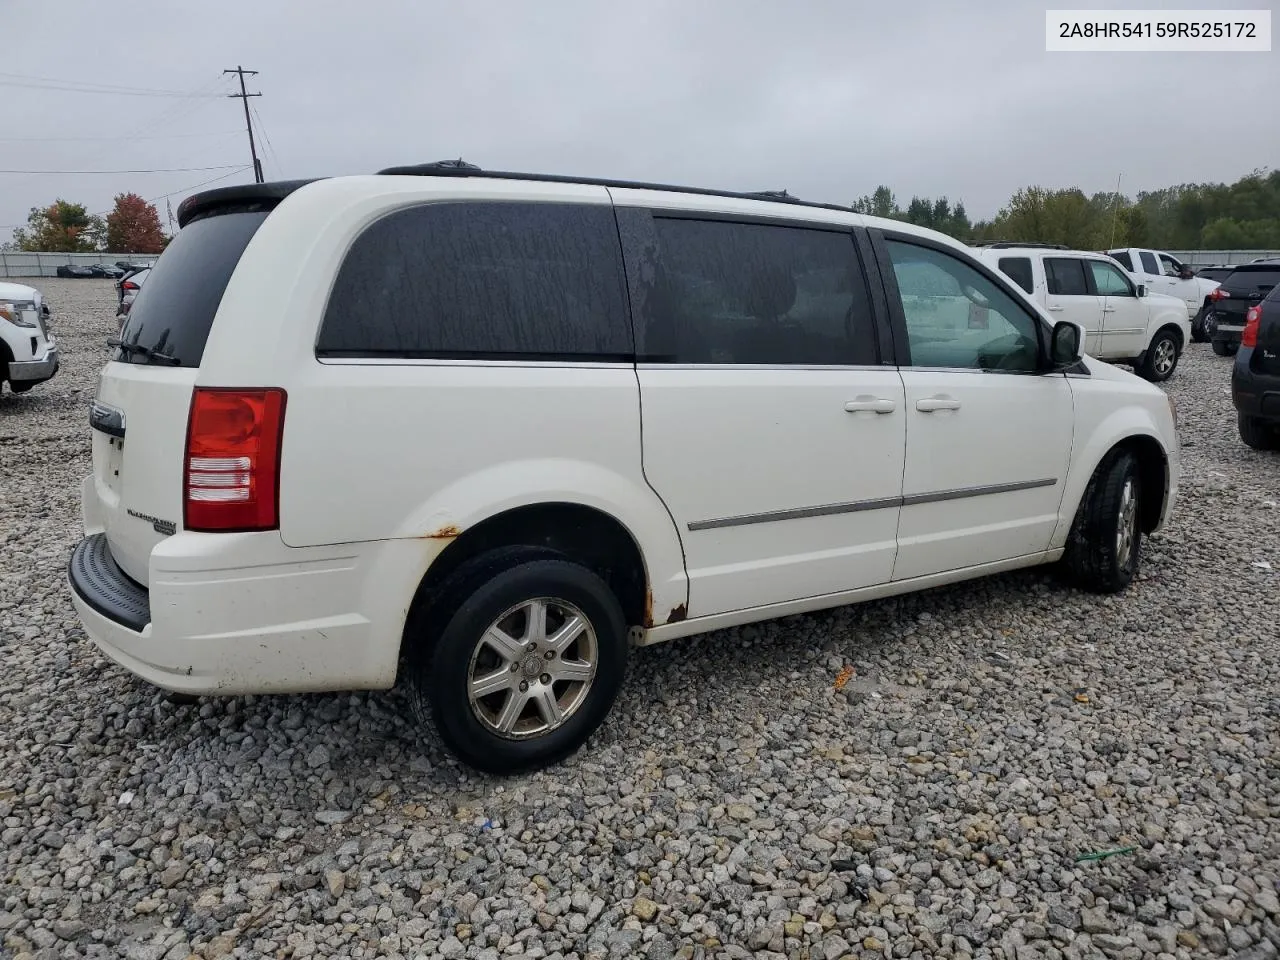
(232,463)
(1218,294)
(129,285)
(1252,320)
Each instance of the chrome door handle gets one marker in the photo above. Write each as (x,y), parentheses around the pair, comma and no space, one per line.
(1057,309)
(870,405)
(930,404)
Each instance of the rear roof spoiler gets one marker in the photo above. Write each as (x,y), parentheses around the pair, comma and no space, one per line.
(246,196)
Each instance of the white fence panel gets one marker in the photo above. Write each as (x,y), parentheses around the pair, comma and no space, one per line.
(21,263)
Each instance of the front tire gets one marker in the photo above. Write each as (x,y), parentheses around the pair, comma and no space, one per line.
(1104,549)
(524,664)
(1224,348)
(1258,434)
(1161,358)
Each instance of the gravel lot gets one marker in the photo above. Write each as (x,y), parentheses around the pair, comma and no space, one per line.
(991,734)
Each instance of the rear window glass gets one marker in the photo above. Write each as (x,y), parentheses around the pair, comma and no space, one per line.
(1122,256)
(484,280)
(170,320)
(1018,269)
(1148,262)
(1249,279)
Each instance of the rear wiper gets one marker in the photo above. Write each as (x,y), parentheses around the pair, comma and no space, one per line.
(151,355)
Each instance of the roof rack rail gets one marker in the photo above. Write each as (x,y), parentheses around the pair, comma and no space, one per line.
(1008,244)
(460,168)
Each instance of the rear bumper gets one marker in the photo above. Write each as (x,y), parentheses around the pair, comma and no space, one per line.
(35,371)
(1254,394)
(242,613)
(1224,330)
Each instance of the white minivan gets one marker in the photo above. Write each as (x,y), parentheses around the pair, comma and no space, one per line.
(484,432)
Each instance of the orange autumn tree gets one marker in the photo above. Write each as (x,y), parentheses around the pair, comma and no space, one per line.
(134,226)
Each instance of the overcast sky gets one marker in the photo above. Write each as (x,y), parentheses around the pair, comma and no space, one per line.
(826,98)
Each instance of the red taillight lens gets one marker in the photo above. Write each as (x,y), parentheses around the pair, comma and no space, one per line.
(232,463)
(1252,320)
(129,285)
(1218,294)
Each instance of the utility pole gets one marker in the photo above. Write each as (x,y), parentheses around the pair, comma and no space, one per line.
(243,96)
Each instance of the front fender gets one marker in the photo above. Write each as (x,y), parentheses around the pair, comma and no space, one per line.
(1113,427)
(478,496)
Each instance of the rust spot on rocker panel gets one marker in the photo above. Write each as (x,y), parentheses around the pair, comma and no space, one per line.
(447,532)
(648,607)
(678,614)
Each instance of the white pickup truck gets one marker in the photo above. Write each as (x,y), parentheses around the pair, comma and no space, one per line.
(1123,322)
(28,351)
(1163,273)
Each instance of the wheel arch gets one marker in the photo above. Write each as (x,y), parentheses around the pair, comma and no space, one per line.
(586,534)
(1155,472)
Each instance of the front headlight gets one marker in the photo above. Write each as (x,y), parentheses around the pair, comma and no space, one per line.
(15,312)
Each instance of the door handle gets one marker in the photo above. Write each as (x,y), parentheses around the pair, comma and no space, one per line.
(1108,309)
(870,405)
(1058,309)
(930,404)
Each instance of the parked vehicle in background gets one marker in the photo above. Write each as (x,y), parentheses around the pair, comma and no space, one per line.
(1247,286)
(28,351)
(277,503)
(1165,274)
(1216,272)
(108,270)
(1255,377)
(127,288)
(74,271)
(1122,321)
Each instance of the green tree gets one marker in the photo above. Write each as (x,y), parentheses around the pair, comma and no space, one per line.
(61,227)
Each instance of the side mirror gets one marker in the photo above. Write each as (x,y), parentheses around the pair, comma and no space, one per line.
(1064,345)
(1141,291)
(1186,273)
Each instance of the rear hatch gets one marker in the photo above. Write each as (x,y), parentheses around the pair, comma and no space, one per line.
(1266,355)
(139,416)
(1247,286)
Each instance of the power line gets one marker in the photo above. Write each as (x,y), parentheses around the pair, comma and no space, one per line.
(244,96)
(69,87)
(165,136)
(225,166)
(271,147)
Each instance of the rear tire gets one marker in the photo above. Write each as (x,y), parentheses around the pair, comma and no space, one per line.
(475,635)
(1198,332)
(1257,433)
(1161,358)
(1224,349)
(1104,548)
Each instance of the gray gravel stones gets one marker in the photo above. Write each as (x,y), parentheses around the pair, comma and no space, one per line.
(958,773)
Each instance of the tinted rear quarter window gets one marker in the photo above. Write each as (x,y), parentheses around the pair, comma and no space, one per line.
(1124,258)
(1148,262)
(174,309)
(1018,269)
(1064,276)
(482,280)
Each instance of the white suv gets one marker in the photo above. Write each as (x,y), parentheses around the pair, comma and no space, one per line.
(486,431)
(1122,320)
(28,351)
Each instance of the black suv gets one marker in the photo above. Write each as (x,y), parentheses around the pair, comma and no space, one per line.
(1246,287)
(1255,379)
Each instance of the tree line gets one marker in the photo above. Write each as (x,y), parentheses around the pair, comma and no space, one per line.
(132,226)
(1190,216)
